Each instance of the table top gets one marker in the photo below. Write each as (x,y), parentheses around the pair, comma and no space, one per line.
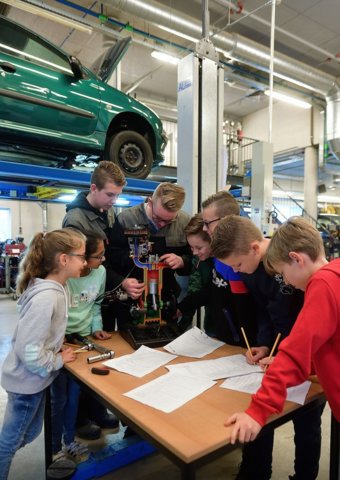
(191,431)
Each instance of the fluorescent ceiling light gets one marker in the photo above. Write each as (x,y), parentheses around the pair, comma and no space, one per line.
(122,202)
(179,34)
(288,99)
(165,57)
(67,198)
(55,17)
(296,82)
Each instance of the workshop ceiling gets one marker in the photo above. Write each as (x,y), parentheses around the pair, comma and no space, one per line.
(308,30)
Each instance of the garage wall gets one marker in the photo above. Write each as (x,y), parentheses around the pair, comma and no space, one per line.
(293,127)
(29,216)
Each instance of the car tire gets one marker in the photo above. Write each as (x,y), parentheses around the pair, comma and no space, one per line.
(132,153)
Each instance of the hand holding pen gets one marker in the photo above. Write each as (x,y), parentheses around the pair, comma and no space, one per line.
(254,354)
(265,362)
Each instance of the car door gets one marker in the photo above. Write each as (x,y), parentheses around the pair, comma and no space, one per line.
(40,91)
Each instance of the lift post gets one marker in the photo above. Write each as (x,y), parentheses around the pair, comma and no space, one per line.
(201,164)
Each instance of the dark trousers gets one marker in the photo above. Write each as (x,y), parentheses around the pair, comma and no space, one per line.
(89,409)
(257,456)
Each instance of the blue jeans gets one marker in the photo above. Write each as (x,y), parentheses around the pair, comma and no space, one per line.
(24,416)
(65,394)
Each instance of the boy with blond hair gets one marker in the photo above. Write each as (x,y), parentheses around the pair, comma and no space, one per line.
(296,252)
(238,243)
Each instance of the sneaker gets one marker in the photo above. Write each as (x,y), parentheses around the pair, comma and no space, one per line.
(61,467)
(78,452)
(89,431)
(109,420)
(56,457)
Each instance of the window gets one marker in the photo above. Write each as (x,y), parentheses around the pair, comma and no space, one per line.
(23,44)
(5,224)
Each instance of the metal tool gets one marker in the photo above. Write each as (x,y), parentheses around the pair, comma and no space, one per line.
(104,356)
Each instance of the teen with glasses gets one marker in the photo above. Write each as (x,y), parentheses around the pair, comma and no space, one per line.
(162,216)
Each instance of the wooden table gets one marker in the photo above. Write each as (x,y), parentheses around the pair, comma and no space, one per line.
(193,434)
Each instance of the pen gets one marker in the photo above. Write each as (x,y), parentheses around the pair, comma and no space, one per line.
(272,350)
(247,343)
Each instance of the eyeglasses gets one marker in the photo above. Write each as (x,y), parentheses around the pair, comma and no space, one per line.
(97,257)
(83,257)
(158,219)
(207,223)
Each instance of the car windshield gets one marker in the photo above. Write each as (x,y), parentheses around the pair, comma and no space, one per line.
(21,43)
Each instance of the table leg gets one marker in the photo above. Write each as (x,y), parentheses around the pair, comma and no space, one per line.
(48,430)
(334,467)
(188,472)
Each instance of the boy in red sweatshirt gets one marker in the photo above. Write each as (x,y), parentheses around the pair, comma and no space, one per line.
(238,243)
(296,252)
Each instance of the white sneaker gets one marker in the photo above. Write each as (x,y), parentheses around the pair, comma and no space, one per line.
(78,452)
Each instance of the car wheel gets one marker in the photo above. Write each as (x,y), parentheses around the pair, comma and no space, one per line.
(132,153)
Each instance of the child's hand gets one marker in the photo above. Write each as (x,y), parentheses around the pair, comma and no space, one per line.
(245,427)
(133,287)
(101,335)
(68,355)
(172,260)
(265,362)
(257,354)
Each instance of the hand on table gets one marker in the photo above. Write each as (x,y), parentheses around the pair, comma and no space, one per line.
(68,355)
(101,335)
(245,428)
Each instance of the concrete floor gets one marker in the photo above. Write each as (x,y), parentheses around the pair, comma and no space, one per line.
(28,463)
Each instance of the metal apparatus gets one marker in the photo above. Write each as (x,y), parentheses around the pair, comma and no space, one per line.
(104,356)
(150,313)
(150,309)
(77,339)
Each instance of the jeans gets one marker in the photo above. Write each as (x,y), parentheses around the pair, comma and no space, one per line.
(257,456)
(65,394)
(24,416)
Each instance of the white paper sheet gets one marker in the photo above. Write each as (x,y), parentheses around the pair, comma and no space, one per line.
(224,367)
(193,343)
(251,383)
(170,391)
(143,361)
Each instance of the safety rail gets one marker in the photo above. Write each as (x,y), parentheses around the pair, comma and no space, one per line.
(240,153)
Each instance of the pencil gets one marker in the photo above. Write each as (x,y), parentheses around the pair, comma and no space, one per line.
(273,349)
(247,343)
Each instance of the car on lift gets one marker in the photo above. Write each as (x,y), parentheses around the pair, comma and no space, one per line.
(56,112)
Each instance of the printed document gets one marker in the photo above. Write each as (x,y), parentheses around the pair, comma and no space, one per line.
(170,391)
(224,367)
(193,343)
(251,383)
(143,361)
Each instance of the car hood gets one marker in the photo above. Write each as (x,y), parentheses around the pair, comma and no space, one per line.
(107,64)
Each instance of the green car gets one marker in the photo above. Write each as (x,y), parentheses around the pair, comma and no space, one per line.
(56,112)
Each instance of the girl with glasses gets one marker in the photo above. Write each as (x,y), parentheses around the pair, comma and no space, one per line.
(84,318)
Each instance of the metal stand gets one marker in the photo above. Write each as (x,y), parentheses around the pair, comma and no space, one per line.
(8,271)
